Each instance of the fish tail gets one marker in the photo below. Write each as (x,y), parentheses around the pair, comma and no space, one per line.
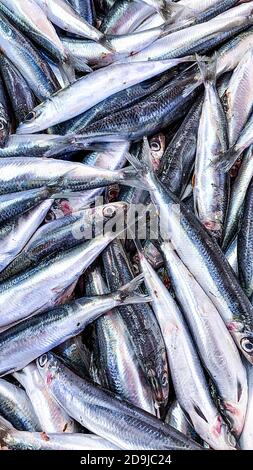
(105,42)
(207,67)
(5,429)
(79,64)
(128,295)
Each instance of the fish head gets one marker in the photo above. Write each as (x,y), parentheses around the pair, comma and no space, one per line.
(243,338)
(38,118)
(221,435)
(48,366)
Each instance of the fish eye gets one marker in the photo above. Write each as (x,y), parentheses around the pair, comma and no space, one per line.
(155,145)
(109,211)
(247,345)
(30,116)
(1,126)
(42,360)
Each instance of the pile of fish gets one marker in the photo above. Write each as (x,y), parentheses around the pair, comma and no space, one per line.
(126,228)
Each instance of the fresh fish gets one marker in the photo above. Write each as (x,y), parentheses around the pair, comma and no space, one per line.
(45,145)
(178,160)
(117,361)
(124,17)
(85,9)
(50,282)
(177,419)
(16,407)
(141,323)
(213,340)
(61,234)
(202,257)
(106,414)
(31,19)
(188,378)
(10,438)
(61,13)
(75,355)
(22,173)
(118,101)
(21,97)
(27,59)
(245,244)
(43,332)
(67,104)
(51,417)
(152,114)
(238,97)
(237,197)
(229,54)
(15,233)
(211,186)
(124,45)
(199,37)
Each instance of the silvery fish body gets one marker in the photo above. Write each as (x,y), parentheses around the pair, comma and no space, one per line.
(101,412)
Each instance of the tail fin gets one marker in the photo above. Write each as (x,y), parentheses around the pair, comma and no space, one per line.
(5,429)
(72,143)
(128,295)
(207,68)
(68,71)
(170,10)
(105,42)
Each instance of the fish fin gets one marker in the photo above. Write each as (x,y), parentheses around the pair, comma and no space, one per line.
(144,166)
(132,178)
(75,143)
(225,161)
(171,11)
(127,294)
(68,71)
(105,42)
(80,64)
(207,67)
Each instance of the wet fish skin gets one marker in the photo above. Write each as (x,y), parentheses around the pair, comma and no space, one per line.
(141,323)
(237,197)
(120,100)
(20,94)
(177,419)
(75,355)
(245,244)
(85,8)
(31,19)
(198,38)
(210,267)
(10,438)
(67,104)
(51,417)
(232,255)
(23,173)
(238,97)
(119,369)
(16,407)
(211,186)
(178,160)
(124,46)
(63,15)
(211,338)
(49,283)
(15,233)
(150,115)
(46,330)
(124,17)
(27,59)
(126,426)
(59,235)
(188,378)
